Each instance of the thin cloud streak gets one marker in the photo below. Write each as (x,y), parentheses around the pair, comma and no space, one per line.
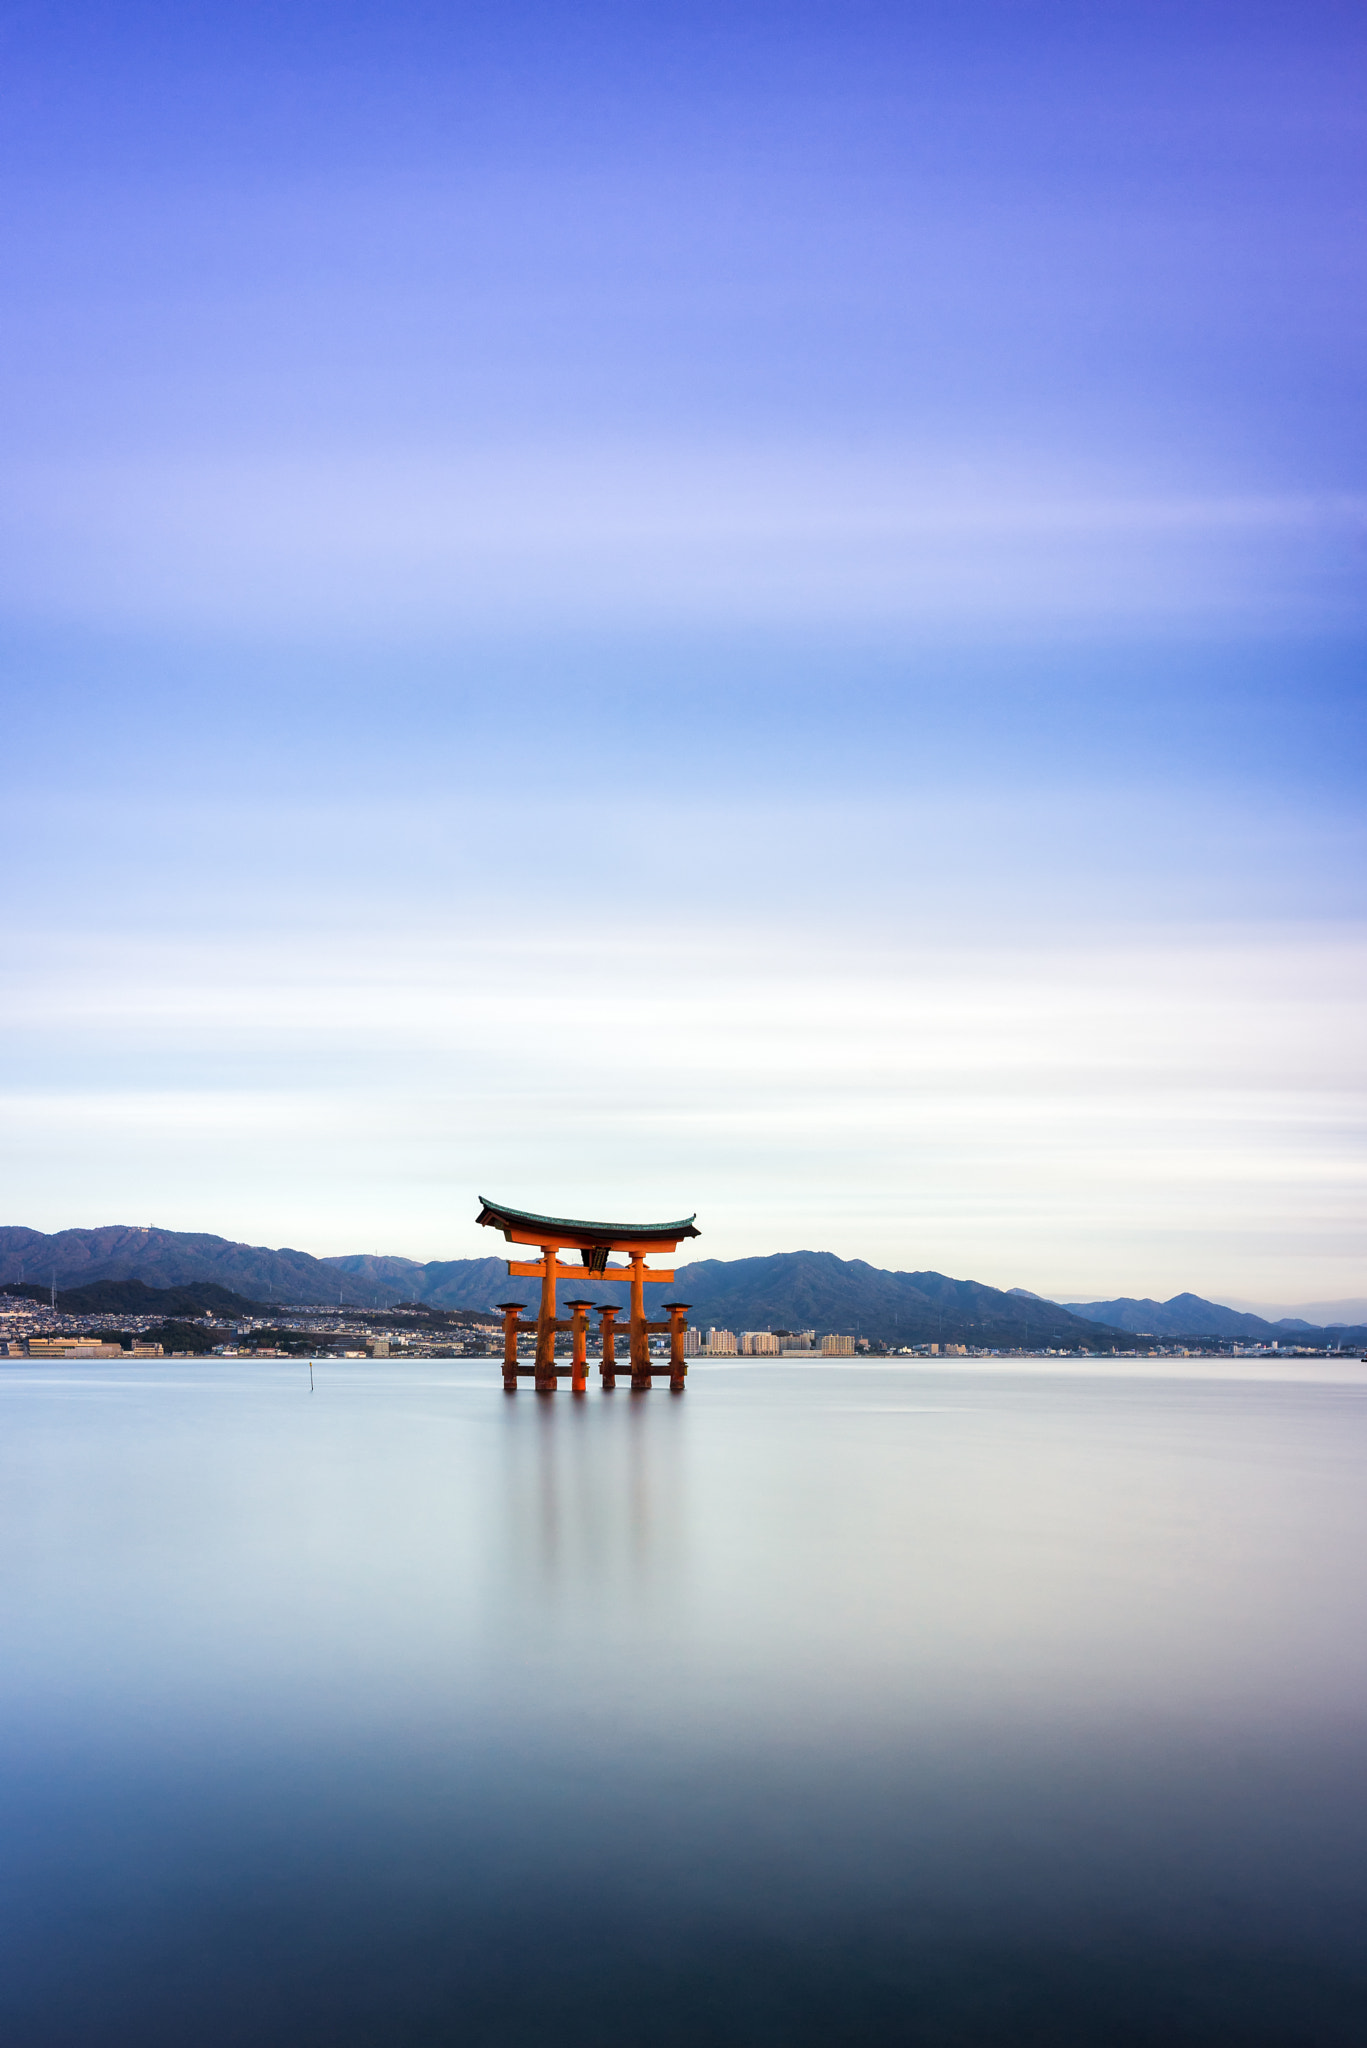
(501,538)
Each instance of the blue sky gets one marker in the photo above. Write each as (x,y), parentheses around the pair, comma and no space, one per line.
(639,608)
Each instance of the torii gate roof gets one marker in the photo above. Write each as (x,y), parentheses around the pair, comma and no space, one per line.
(523,1226)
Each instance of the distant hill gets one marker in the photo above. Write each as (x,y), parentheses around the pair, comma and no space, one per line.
(1325,1315)
(816,1290)
(182,1258)
(441,1283)
(136,1298)
(1188,1315)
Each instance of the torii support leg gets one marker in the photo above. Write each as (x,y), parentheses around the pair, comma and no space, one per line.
(579,1327)
(545,1325)
(640,1335)
(607,1325)
(511,1311)
(677,1311)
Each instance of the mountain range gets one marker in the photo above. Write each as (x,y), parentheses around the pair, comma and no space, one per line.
(1187,1315)
(786,1290)
(816,1290)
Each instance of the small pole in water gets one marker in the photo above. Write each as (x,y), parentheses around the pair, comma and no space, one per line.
(310,1375)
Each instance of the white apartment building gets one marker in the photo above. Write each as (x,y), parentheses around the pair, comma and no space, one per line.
(692,1343)
(87,1347)
(837,1347)
(720,1344)
(759,1344)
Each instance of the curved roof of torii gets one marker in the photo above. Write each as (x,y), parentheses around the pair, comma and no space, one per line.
(579,1232)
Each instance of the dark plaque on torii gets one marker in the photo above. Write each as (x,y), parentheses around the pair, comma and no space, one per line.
(593,1242)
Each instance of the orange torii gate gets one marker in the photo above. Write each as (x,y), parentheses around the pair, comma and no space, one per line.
(593,1241)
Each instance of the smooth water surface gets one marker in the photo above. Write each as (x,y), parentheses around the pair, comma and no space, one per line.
(830,1703)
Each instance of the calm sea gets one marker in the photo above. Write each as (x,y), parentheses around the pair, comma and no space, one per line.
(828,1704)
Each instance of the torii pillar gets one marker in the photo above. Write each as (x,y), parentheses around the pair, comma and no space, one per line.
(607,1326)
(640,1328)
(545,1323)
(579,1361)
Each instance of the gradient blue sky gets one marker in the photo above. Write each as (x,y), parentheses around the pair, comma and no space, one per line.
(640,608)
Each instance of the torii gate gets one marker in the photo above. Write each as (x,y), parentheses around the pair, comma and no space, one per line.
(593,1242)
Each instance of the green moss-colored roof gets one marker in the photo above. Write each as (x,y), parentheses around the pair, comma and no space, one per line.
(501,1217)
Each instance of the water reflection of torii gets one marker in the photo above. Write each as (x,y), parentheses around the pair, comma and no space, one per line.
(594,1505)
(593,1242)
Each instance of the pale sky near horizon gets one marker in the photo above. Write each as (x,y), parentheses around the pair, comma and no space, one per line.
(754,609)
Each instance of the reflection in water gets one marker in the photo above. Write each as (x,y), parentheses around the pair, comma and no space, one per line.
(835,1704)
(592,1496)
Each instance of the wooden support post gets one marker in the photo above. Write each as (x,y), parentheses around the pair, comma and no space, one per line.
(608,1329)
(545,1324)
(579,1328)
(640,1335)
(511,1311)
(677,1311)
